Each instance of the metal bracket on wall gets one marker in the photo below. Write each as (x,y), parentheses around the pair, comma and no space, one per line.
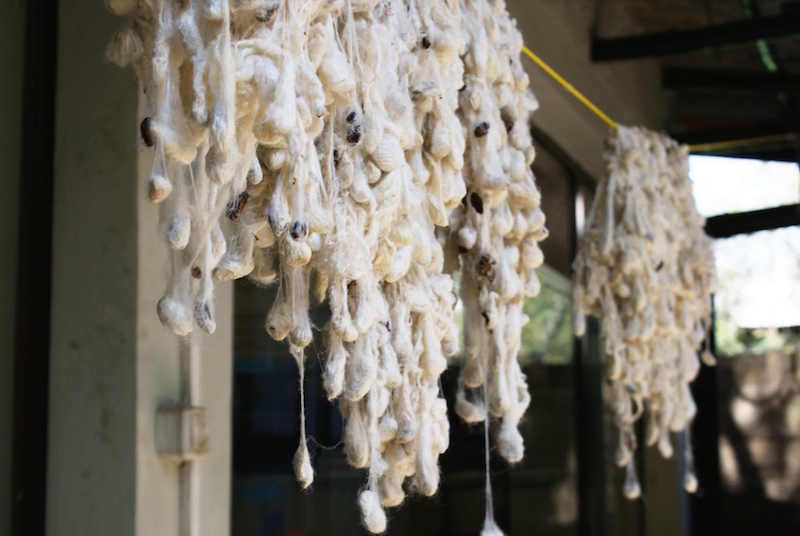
(181,433)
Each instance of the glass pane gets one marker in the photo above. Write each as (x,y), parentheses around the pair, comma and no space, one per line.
(547,338)
(724,185)
(539,496)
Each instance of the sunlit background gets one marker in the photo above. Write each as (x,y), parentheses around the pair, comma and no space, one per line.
(758,292)
(757,307)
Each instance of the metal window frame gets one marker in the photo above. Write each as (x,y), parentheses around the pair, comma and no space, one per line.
(34,266)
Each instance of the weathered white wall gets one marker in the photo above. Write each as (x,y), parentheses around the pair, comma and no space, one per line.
(112,363)
(630,92)
(12,28)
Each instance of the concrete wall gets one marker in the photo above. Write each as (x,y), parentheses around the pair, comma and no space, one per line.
(12,29)
(92,424)
(553,181)
(630,92)
(112,364)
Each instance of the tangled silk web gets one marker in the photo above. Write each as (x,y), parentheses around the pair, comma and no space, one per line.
(645,267)
(352,151)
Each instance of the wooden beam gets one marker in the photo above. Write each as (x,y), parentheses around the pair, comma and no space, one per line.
(682,41)
(727,225)
(680,78)
(772,154)
(731,133)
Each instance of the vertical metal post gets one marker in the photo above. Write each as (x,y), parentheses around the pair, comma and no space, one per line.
(592,500)
(32,330)
(188,473)
(588,373)
(705,505)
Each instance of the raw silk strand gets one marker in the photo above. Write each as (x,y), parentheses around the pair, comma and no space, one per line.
(302,464)
(490,527)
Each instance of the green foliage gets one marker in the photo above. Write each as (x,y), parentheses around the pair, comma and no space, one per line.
(732,340)
(547,338)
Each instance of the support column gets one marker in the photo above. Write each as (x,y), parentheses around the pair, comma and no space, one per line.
(112,364)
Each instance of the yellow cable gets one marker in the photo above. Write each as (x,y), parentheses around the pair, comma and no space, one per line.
(702,147)
(569,87)
(734,144)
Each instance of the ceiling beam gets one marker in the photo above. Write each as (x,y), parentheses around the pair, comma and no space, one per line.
(776,154)
(730,133)
(727,225)
(682,41)
(678,78)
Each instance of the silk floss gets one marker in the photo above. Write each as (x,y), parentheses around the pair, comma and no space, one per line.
(645,267)
(346,151)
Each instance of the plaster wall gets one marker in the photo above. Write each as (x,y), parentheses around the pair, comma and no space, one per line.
(112,364)
(630,92)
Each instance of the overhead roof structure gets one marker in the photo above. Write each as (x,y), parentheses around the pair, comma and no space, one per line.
(732,66)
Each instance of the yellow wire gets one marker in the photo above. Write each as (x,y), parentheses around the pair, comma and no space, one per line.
(702,147)
(569,87)
(733,144)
